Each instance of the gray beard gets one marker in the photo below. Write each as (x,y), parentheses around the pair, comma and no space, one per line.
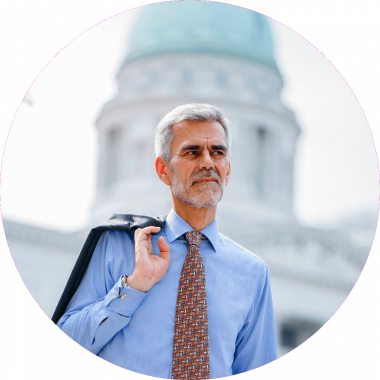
(198,199)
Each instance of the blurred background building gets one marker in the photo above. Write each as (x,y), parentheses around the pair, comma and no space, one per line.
(207,52)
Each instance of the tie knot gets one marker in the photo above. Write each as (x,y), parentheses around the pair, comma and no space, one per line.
(193,238)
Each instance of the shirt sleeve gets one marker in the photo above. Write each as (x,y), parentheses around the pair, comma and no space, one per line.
(256,343)
(101,306)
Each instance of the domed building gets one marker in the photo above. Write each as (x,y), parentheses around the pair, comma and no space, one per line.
(180,52)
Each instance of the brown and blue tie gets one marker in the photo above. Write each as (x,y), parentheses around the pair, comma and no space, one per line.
(191,357)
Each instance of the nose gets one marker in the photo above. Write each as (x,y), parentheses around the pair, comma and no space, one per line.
(206,161)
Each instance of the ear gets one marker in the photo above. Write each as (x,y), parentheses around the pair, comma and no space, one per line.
(162,170)
(228,176)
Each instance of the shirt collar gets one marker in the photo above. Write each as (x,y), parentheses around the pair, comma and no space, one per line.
(175,227)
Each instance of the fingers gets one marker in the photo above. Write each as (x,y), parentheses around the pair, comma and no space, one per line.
(164,249)
(144,233)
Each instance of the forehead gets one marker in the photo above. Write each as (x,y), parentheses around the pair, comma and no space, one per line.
(194,131)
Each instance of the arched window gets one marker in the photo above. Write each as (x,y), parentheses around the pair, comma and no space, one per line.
(111,157)
(263,138)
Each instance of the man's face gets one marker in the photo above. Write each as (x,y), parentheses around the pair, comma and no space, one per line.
(199,168)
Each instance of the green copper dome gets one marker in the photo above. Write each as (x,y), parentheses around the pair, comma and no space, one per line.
(201,27)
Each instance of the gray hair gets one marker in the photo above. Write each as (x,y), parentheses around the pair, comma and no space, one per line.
(192,112)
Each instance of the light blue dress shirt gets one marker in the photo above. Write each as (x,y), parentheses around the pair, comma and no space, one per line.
(135,330)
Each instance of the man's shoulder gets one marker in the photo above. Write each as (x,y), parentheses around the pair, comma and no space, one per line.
(243,252)
(126,224)
(117,237)
(117,232)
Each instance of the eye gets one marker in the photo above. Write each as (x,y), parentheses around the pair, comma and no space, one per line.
(192,152)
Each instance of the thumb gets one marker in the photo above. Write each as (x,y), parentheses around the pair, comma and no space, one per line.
(164,249)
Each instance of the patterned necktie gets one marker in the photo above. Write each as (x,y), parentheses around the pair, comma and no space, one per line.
(191,358)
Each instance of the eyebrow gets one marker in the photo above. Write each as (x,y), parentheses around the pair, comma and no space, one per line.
(190,147)
(198,147)
(219,147)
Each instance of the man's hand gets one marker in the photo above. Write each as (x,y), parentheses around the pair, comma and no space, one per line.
(149,268)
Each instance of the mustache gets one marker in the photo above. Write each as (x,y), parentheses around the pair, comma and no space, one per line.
(204,173)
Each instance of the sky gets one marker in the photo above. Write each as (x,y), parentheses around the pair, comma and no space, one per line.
(335,165)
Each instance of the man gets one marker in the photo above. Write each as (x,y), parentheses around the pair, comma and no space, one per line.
(183,301)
